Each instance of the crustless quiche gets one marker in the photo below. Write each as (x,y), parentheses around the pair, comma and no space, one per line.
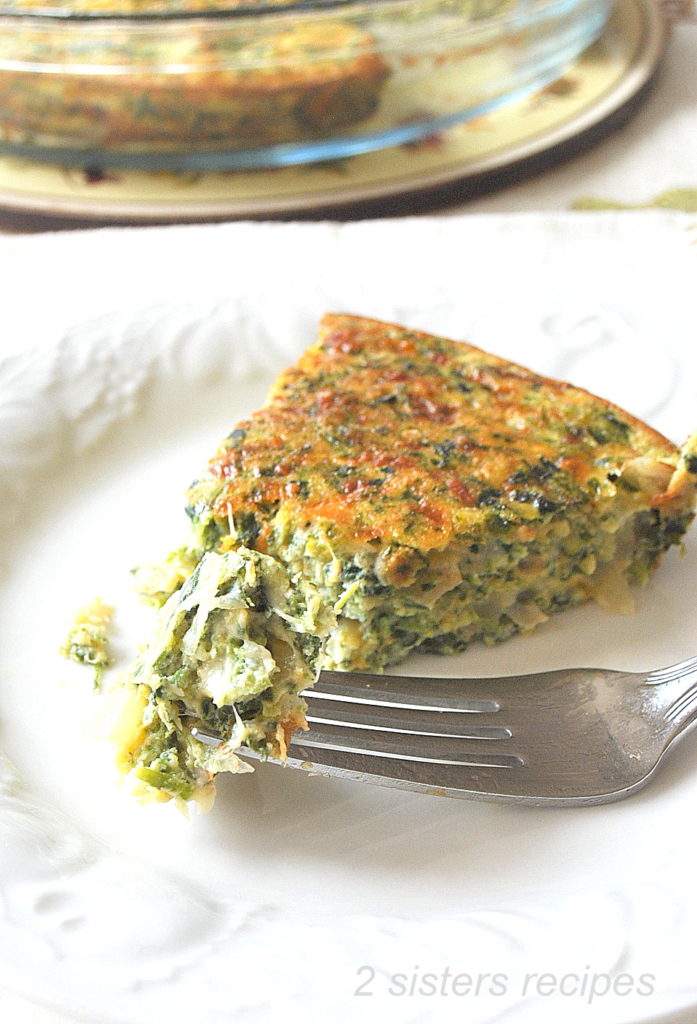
(397,491)
(242,88)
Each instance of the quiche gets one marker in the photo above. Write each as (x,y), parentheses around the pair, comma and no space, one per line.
(231,649)
(399,491)
(242,89)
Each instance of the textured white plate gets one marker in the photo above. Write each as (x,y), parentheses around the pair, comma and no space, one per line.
(295,892)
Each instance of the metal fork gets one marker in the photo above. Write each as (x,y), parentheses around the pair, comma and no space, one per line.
(570,737)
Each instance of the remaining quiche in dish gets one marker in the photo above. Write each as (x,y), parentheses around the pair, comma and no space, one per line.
(203,86)
(423,492)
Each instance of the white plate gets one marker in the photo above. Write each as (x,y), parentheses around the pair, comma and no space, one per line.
(297,892)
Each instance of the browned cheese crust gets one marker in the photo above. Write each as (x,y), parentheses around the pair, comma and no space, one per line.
(407,452)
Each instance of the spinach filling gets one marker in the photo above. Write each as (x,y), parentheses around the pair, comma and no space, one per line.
(233,647)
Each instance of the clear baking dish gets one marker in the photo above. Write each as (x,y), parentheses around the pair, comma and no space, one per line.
(204,84)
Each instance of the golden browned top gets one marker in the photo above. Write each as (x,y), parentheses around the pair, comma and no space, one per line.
(380,433)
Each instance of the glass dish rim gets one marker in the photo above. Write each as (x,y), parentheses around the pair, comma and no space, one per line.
(502,13)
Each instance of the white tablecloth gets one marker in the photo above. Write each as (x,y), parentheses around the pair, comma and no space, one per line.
(655,152)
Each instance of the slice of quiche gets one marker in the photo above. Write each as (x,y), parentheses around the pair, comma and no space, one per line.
(427,493)
(441,494)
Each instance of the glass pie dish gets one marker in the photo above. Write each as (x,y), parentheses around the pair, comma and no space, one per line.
(225,84)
